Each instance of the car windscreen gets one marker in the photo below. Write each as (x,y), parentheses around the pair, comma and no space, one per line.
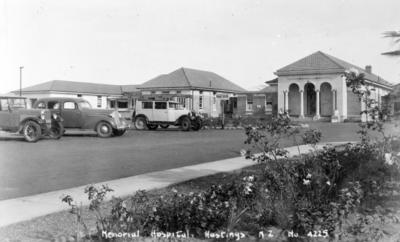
(16,103)
(3,104)
(84,105)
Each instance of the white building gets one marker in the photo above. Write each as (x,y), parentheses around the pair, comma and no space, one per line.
(315,87)
(202,91)
(100,96)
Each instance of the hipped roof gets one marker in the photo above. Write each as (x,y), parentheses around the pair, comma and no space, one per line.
(321,63)
(186,78)
(79,87)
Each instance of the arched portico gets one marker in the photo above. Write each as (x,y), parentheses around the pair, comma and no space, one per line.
(326,108)
(294,100)
(313,99)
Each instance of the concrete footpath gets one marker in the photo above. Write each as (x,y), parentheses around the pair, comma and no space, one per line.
(29,207)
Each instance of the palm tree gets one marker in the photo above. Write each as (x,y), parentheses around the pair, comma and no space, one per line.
(395,35)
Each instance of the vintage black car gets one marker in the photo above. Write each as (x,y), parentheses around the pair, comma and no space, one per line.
(77,113)
(31,123)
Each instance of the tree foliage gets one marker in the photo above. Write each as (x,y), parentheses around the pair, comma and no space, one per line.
(395,36)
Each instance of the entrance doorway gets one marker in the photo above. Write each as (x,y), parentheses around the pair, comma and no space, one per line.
(310,98)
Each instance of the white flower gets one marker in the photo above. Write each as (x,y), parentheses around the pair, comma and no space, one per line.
(328,183)
(388,159)
(247,190)
(306,182)
(243,152)
(308,176)
(123,204)
(174,190)
(251,178)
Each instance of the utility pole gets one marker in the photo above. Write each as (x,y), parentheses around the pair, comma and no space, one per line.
(20,80)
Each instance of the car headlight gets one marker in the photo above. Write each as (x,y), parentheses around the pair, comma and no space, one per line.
(43,114)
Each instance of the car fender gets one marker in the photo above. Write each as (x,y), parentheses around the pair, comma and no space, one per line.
(91,121)
(24,120)
(110,121)
(178,121)
(141,115)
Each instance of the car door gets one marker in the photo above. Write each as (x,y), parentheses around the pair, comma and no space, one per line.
(71,114)
(4,115)
(54,106)
(160,112)
(147,109)
(172,112)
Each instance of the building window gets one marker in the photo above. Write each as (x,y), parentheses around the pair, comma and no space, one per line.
(268,106)
(99,101)
(178,92)
(112,103)
(214,104)
(249,105)
(153,92)
(165,92)
(201,92)
(201,102)
(79,95)
(396,107)
(181,100)
(122,104)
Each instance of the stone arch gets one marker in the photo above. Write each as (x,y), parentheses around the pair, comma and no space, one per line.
(310,98)
(326,97)
(294,99)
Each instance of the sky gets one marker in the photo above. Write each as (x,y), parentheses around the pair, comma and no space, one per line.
(132,41)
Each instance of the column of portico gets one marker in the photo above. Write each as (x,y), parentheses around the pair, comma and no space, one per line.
(301,103)
(285,101)
(317,115)
(334,100)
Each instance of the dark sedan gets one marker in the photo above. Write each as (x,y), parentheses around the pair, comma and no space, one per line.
(78,114)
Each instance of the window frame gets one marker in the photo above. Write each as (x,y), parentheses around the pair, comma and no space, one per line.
(75,106)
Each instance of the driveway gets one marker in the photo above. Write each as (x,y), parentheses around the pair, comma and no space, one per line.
(75,160)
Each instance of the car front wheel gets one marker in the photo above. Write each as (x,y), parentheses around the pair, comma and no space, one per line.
(104,129)
(140,123)
(32,131)
(185,124)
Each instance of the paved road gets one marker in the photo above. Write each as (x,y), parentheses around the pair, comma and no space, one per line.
(47,165)
(75,160)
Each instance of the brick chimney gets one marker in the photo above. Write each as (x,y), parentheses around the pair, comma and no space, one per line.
(368,69)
